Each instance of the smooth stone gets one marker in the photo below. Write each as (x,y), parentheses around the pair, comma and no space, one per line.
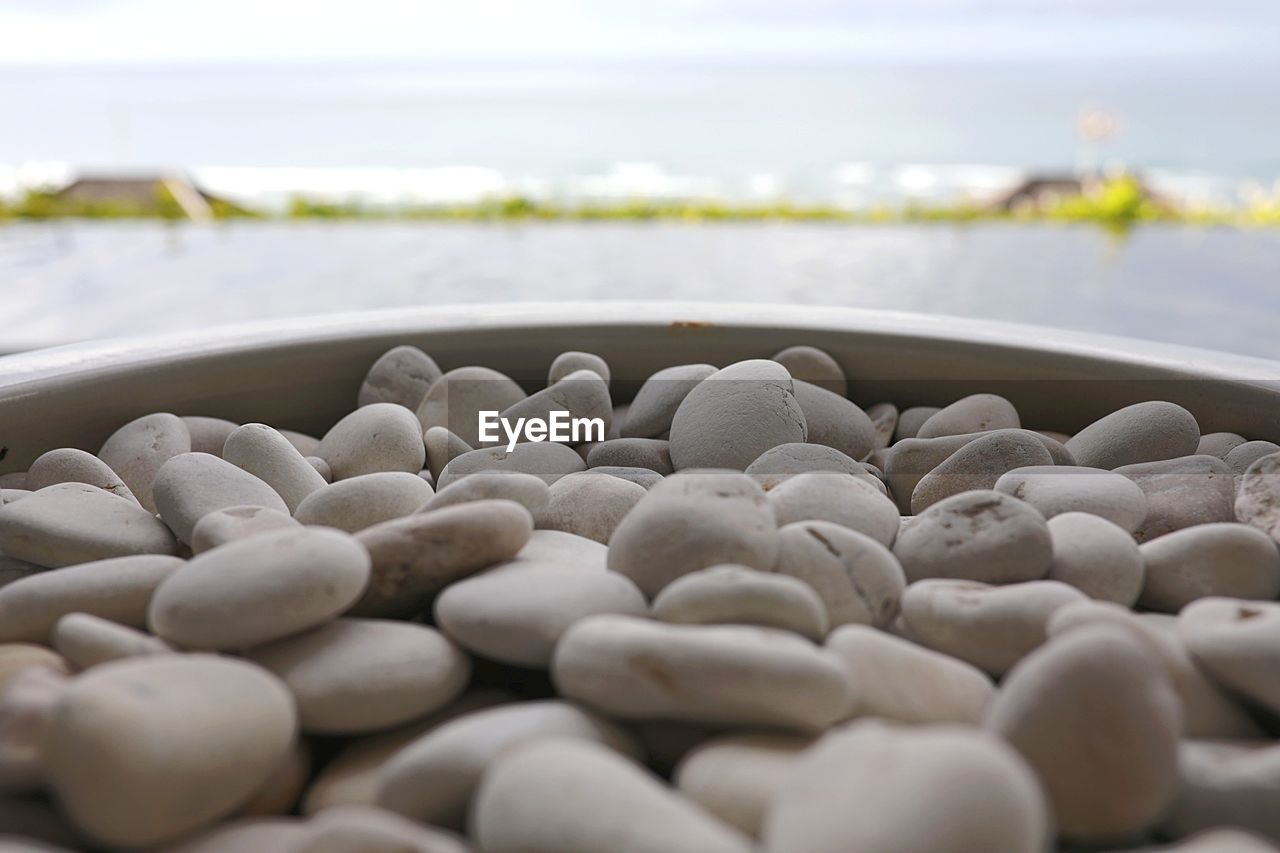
(1182,493)
(736,595)
(777,464)
(911,419)
(246,835)
(1226,560)
(87,641)
(583,394)
(1238,460)
(651,453)
(529,491)
(690,521)
(259,589)
(858,579)
(455,400)
(1097,719)
(833,421)
(1226,783)
(72,523)
(416,556)
(877,788)
(365,829)
(980,536)
(1219,444)
(208,435)
(884,417)
(979,464)
(118,589)
(588,504)
(734,415)
(361,502)
(655,404)
(572,361)
(975,413)
(268,455)
(573,796)
(191,485)
(433,779)
(145,750)
(898,680)
(354,676)
(16,657)
(638,669)
(1143,432)
(1096,557)
(353,775)
(810,364)
(322,468)
(735,777)
(307,445)
(516,612)
(401,375)
(991,627)
(843,499)
(237,522)
(544,459)
(642,477)
(1258,497)
(138,449)
(1238,644)
(442,448)
(69,465)
(1057,489)
(374,438)
(1207,711)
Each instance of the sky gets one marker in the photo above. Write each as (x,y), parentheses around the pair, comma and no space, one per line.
(71,32)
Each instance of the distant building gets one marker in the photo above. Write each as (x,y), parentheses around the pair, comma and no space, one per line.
(145,194)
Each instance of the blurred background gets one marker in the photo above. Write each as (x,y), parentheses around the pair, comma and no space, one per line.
(1101,166)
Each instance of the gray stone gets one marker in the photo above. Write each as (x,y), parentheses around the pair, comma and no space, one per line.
(975,413)
(191,485)
(1143,432)
(1182,492)
(655,404)
(374,438)
(361,502)
(736,595)
(1057,489)
(858,579)
(1231,560)
(401,375)
(979,464)
(1096,557)
(138,449)
(810,364)
(979,535)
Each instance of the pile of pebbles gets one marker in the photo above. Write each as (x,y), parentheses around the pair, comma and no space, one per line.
(756,617)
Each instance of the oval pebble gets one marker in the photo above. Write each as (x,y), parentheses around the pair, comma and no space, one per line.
(980,536)
(811,364)
(69,465)
(71,523)
(690,521)
(979,464)
(137,450)
(360,502)
(588,504)
(118,589)
(1224,783)
(911,419)
(975,413)
(832,421)
(735,777)
(1238,644)
(87,641)
(442,448)
(275,584)
(736,595)
(1238,460)
(651,453)
(991,627)
(1095,716)
(582,394)
(634,668)
(1057,489)
(525,489)
(858,579)
(434,778)
(1258,498)
(353,676)
(734,415)
(517,611)
(1226,560)
(544,459)
(842,499)
(191,485)
(895,679)
(208,435)
(777,464)
(981,796)
(148,749)
(1143,432)
(401,375)
(268,455)
(416,556)
(374,438)
(1219,444)
(237,522)
(643,477)
(1182,492)
(455,400)
(572,361)
(1096,557)
(572,796)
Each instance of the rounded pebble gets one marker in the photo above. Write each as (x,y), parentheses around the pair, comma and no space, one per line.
(527,490)
(1182,493)
(268,455)
(572,361)
(975,413)
(237,522)
(1219,444)
(87,641)
(838,498)
(138,449)
(401,375)
(735,777)
(191,485)
(1143,432)
(979,464)
(588,504)
(736,595)
(811,364)
(72,523)
(655,404)
(1096,557)
(360,502)
(1238,644)
(777,464)
(208,435)
(651,453)
(1057,489)
(583,394)
(455,400)
(543,459)
(1230,560)
(69,465)
(374,438)
(832,421)
(858,579)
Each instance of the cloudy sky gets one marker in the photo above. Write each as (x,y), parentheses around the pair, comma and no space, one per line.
(62,32)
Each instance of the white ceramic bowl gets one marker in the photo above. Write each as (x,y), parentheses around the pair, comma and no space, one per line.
(303,374)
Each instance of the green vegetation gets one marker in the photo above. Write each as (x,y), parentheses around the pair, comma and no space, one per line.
(1117,204)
